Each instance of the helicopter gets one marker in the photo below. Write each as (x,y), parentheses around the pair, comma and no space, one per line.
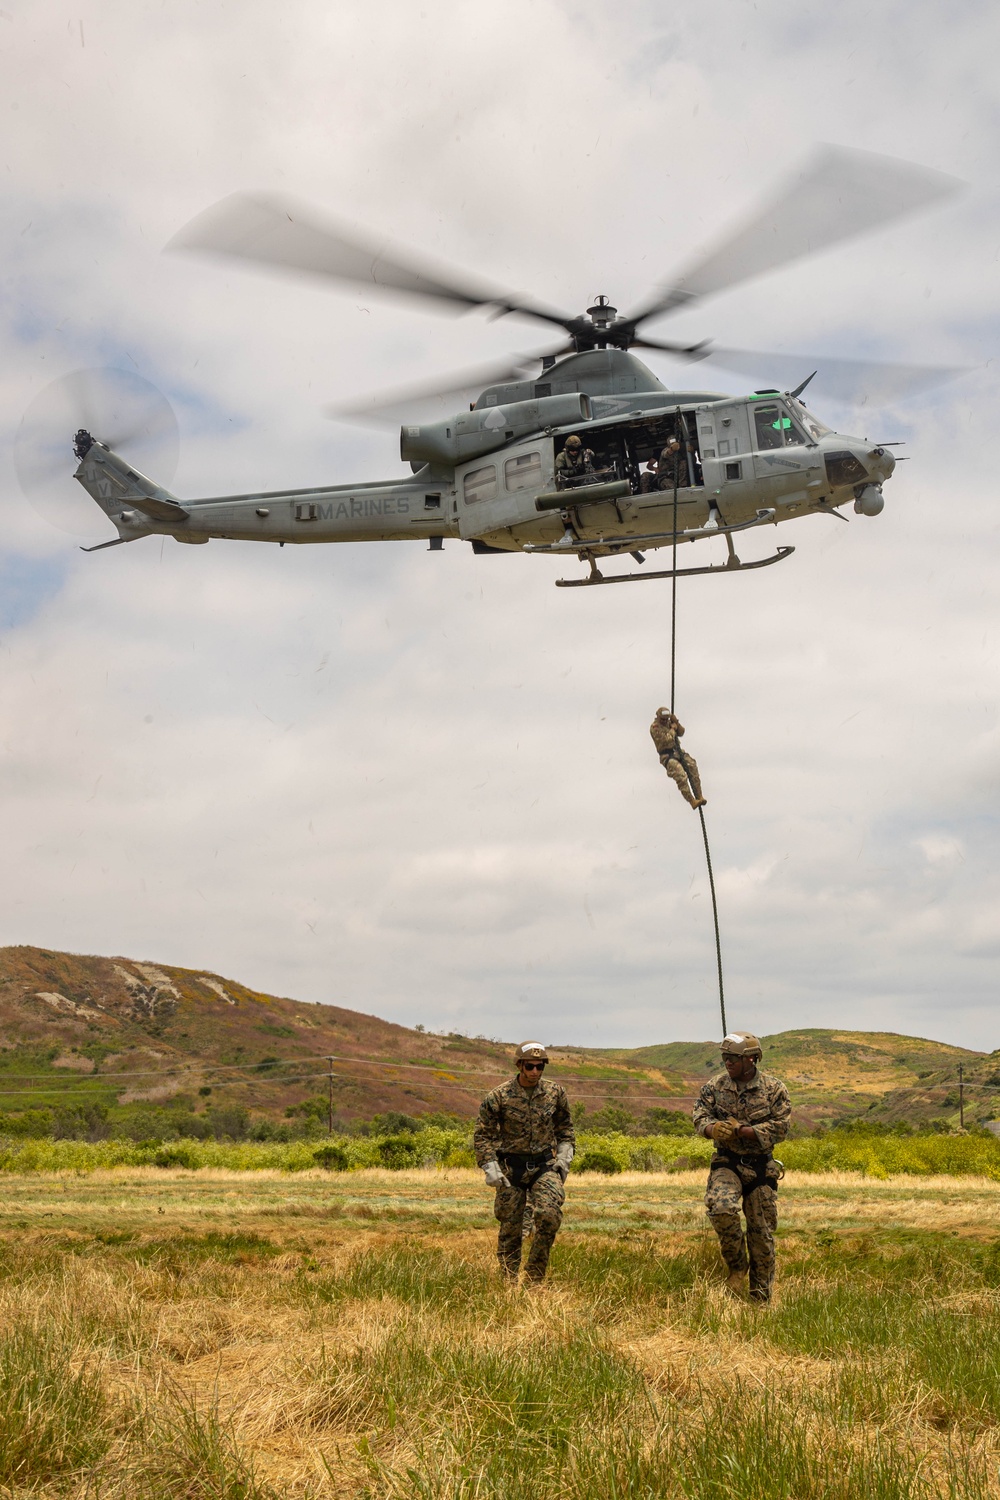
(494,474)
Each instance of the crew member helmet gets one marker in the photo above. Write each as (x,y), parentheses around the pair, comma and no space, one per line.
(741,1044)
(531,1052)
(574,442)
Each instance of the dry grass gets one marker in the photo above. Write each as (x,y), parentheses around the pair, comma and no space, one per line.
(221,1336)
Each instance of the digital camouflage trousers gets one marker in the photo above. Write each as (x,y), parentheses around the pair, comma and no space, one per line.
(545,1197)
(683,772)
(725,1197)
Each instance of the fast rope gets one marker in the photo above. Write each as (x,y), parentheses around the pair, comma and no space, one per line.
(673,684)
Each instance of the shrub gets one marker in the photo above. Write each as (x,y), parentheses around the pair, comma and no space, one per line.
(599,1161)
(177,1154)
(398,1152)
(333,1158)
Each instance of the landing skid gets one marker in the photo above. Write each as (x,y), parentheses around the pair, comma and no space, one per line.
(732,565)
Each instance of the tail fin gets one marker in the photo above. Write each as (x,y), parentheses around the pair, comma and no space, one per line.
(121,492)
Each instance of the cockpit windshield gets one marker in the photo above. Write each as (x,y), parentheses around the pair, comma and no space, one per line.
(815,428)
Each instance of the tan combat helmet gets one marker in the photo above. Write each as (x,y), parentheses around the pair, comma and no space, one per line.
(741,1044)
(531,1052)
(573,441)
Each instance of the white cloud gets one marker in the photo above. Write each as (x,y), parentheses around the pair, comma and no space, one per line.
(422,785)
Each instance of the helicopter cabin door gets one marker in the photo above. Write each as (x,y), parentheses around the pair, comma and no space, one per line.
(787,462)
(498,490)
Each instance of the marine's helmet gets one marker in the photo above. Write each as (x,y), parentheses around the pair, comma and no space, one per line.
(531,1052)
(741,1044)
(664,715)
(573,441)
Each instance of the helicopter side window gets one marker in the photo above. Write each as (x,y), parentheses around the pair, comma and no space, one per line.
(775,429)
(480,484)
(523,472)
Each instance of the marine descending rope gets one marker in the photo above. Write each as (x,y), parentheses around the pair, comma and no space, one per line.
(680,752)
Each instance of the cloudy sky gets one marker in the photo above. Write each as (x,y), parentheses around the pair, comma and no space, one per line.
(421,784)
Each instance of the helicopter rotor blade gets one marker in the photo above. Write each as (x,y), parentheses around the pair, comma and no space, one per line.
(428,399)
(117,407)
(857,381)
(277,231)
(839,193)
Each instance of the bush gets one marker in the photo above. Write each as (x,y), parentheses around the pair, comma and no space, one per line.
(177,1154)
(29,1122)
(332,1158)
(398,1152)
(599,1161)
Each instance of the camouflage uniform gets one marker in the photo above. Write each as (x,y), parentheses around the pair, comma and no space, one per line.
(521,1129)
(572,465)
(671,467)
(746,1173)
(679,766)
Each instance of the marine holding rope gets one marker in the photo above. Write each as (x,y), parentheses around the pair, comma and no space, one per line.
(524,1142)
(666,730)
(745,1111)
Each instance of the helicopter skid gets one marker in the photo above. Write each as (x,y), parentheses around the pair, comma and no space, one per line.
(732,565)
(613,545)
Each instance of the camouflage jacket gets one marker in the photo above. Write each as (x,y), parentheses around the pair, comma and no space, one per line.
(762,1103)
(666,737)
(522,1121)
(568,467)
(671,467)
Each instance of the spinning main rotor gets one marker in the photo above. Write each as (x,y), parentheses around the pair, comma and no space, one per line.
(838,194)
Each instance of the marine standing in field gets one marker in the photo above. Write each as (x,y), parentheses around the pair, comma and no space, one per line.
(524,1142)
(745,1111)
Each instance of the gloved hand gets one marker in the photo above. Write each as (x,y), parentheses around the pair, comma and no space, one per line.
(564,1155)
(494,1175)
(724,1132)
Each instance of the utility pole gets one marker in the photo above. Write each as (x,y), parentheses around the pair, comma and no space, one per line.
(329,1113)
(961,1096)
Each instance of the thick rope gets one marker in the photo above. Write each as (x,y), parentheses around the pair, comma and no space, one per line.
(715,919)
(673,593)
(673,682)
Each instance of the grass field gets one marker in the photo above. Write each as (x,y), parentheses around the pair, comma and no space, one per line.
(218,1335)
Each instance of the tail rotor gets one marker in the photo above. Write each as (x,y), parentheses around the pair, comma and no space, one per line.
(117,408)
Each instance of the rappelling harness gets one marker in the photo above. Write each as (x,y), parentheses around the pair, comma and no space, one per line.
(732,1161)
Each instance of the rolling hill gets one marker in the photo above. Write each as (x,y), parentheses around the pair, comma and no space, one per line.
(123,1032)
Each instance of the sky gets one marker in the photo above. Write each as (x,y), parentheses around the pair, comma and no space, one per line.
(421,785)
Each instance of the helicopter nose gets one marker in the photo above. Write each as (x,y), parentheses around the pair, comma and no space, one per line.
(881,463)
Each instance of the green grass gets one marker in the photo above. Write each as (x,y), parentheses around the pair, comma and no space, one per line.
(877,1157)
(410,1273)
(53,1419)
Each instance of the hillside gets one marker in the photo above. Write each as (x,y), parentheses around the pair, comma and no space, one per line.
(121,1032)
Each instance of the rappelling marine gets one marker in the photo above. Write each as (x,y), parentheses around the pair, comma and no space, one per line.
(666,730)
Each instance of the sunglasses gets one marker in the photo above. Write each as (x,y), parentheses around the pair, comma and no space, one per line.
(532,1067)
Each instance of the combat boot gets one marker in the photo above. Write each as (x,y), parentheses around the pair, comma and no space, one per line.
(736,1283)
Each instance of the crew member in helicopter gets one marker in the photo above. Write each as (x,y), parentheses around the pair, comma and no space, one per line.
(664,472)
(666,730)
(575,464)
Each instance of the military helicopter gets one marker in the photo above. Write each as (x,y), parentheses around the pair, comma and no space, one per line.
(493,475)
